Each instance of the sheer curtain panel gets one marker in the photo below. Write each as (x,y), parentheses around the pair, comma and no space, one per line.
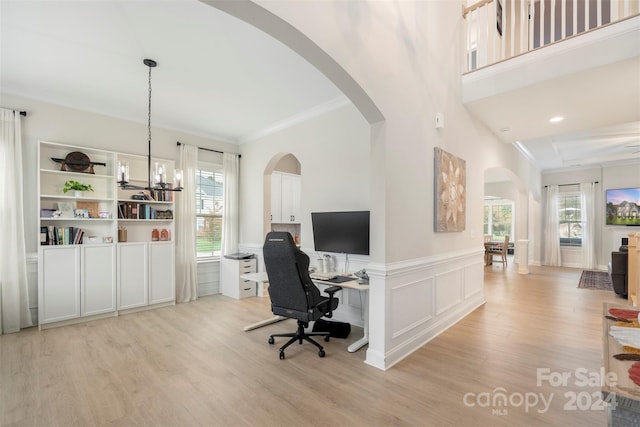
(552,230)
(230,164)
(587,194)
(186,266)
(14,297)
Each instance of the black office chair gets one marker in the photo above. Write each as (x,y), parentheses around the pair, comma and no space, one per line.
(291,290)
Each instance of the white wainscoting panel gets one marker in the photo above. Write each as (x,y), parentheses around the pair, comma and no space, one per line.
(448,290)
(208,277)
(421,298)
(472,286)
(412,305)
(32,285)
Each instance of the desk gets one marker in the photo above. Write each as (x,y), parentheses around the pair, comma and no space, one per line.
(362,288)
(261,278)
(353,284)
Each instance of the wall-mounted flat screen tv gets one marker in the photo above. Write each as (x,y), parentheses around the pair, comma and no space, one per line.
(341,232)
(623,206)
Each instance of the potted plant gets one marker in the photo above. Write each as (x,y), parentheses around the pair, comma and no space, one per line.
(77,187)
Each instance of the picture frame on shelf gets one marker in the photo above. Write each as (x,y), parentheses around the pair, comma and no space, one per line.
(81,213)
(66,209)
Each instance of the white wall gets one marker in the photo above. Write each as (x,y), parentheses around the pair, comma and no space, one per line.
(407,57)
(333,151)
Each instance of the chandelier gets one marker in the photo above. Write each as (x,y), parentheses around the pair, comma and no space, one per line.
(158,179)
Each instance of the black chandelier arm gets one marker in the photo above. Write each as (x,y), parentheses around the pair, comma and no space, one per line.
(162,186)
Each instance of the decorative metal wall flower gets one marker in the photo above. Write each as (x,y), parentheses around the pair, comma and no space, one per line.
(450,192)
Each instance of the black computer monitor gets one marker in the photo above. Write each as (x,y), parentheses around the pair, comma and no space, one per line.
(341,232)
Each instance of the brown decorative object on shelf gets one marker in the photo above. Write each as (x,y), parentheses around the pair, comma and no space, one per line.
(91,207)
(168,214)
(164,234)
(77,161)
(155,235)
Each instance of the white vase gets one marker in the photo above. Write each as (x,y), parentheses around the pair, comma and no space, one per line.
(77,193)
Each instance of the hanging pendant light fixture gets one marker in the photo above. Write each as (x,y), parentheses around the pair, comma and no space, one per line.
(157,180)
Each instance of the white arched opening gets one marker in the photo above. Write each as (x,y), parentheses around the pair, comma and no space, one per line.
(288,166)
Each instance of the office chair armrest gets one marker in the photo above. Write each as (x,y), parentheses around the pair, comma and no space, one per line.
(331,290)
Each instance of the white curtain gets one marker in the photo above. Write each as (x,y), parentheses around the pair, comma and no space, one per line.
(551,229)
(186,264)
(230,164)
(14,296)
(588,210)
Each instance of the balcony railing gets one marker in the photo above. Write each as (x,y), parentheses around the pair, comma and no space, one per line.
(502,29)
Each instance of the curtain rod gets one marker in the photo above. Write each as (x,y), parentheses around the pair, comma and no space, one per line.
(577,183)
(207,149)
(23,113)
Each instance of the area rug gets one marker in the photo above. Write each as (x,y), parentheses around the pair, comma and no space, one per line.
(595,280)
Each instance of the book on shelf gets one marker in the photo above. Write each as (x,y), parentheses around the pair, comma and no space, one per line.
(57,236)
(163,195)
(44,235)
(133,210)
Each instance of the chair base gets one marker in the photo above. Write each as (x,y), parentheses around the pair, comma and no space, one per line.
(300,335)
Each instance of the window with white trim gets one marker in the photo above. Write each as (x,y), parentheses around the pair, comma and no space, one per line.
(570,219)
(498,219)
(209,209)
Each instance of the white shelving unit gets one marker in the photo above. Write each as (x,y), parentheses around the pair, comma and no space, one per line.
(145,276)
(75,280)
(97,276)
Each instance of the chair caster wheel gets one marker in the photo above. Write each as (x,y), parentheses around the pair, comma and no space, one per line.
(271,340)
(282,355)
(326,338)
(321,353)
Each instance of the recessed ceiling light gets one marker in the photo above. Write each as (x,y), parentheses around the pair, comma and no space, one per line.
(556,119)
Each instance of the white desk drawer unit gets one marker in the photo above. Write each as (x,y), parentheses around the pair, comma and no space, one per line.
(231,284)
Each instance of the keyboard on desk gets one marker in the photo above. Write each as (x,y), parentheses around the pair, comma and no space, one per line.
(323,276)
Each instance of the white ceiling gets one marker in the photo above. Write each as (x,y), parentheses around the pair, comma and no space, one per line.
(216,76)
(220,78)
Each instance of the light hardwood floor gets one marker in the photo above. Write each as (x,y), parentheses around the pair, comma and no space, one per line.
(192,365)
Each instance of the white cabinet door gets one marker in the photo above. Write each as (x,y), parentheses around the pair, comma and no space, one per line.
(276,198)
(132,275)
(291,199)
(59,288)
(285,198)
(98,279)
(161,273)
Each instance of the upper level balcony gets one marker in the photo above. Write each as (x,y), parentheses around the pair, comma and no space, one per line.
(529,59)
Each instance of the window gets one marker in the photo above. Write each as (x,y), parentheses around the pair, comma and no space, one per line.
(570,219)
(498,219)
(209,209)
